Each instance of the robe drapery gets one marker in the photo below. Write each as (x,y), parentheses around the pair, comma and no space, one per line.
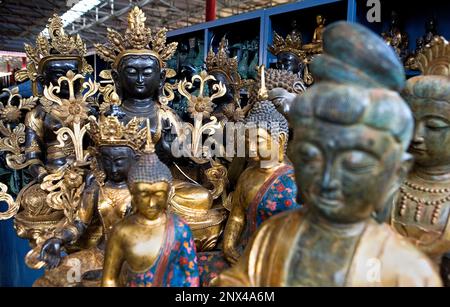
(176,264)
(276,195)
(265,262)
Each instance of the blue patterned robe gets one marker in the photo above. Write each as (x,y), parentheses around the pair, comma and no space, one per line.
(176,265)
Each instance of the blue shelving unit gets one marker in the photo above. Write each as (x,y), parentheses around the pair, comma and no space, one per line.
(279,18)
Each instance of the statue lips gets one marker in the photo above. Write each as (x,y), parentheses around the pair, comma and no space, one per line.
(418,150)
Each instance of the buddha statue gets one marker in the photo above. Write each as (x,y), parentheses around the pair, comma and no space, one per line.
(396,38)
(139,71)
(431,33)
(264,189)
(316,45)
(138,60)
(290,56)
(151,247)
(421,212)
(342,136)
(106,201)
(282,88)
(50,60)
(225,70)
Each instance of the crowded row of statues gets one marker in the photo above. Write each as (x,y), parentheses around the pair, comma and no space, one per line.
(344,183)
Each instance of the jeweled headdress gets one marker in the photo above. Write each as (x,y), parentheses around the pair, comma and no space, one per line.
(138,40)
(58,46)
(434,59)
(109,131)
(221,62)
(292,44)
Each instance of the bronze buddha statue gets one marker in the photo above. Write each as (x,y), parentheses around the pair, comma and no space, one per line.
(348,152)
(290,56)
(49,61)
(139,71)
(421,212)
(225,70)
(106,201)
(151,247)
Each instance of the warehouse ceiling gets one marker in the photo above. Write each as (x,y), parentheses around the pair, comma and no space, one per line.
(22,20)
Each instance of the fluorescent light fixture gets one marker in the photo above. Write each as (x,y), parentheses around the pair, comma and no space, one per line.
(78,10)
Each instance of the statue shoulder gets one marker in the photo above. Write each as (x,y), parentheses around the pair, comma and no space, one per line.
(284,224)
(397,256)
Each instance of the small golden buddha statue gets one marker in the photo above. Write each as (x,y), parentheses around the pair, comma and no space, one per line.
(422,210)
(316,46)
(342,137)
(106,201)
(151,247)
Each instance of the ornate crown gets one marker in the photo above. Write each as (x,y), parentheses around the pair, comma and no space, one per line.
(223,63)
(138,39)
(434,59)
(109,131)
(60,46)
(292,44)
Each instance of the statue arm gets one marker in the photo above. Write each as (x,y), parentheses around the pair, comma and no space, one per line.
(233,230)
(70,232)
(114,258)
(34,138)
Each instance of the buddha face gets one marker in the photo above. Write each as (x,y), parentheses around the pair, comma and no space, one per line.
(150,199)
(229,96)
(139,77)
(431,143)
(116,162)
(262,146)
(53,70)
(283,100)
(320,20)
(345,172)
(288,61)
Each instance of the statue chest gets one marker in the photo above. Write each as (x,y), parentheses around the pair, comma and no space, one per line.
(422,215)
(113,205)
(321,258)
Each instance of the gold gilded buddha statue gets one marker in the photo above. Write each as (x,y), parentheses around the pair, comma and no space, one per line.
(138,60)
(316,45)
(265,188)
(421,212)
(105,201)
(50,60)
(151,247)
(347,152)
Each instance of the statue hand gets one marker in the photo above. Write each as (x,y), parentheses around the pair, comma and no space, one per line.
(231,255)
(51,252)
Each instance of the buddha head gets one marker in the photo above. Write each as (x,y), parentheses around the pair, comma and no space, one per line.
(150,183)
(267,133)
(429,99)
(290,56)
(139,77)
(282,86)
(225,70)
(118,145)
(320,20)
(53,57)
(352,129)
(116,161)
(137,58)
